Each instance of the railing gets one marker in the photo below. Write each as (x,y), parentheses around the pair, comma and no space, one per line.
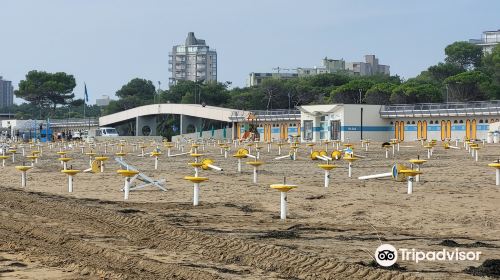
(74,122)
(458,109)
(265,115)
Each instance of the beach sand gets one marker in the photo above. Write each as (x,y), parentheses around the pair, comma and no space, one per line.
(235,232)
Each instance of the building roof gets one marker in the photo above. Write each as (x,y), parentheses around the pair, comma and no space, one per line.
(317,110)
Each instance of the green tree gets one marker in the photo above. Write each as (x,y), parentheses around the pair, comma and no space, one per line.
(464,54)
(491,67)
(379,93)
(352,92)
(141,88)
(415,91)
(467,86)
(135,93)
(46,90)
(177,91)
(438,73)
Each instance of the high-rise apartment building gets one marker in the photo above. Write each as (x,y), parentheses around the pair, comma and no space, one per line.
(6,93)
(193,61)
(488,40)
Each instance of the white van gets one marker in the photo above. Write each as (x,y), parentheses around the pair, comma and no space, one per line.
(106,131)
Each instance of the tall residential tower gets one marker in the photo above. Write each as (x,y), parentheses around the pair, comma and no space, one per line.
(6,93)
(193,61)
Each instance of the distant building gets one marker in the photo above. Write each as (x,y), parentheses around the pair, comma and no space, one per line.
(367,68)
(255,79)
(193,61)
(103,101)
(6,93)
(307,71)
(488,40)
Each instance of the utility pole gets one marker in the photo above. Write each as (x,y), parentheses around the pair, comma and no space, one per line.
(159,92)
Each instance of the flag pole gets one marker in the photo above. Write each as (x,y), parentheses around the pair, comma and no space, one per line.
(84,97)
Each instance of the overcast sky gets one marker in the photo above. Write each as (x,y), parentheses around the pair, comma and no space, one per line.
(107,43)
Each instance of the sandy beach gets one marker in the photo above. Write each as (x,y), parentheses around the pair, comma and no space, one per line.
(235,232)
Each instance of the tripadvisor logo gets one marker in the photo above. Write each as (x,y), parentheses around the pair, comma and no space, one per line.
(387,255)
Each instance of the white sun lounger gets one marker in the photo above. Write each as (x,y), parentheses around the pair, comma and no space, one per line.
(148,181)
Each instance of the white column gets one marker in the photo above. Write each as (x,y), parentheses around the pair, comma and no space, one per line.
(156,163)
(23,179)
(327,178)
(70,183)
(239,165)
(350,169)
(417,178)
(255,175)
(283,206)
(127,188)
(498,176)
(196,194)
(410,184)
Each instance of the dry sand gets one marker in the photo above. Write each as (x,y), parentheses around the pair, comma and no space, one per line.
(235,233)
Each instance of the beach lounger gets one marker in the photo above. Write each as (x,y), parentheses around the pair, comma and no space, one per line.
(148,181)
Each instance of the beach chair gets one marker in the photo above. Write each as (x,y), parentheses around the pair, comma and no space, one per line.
(147,181)
(95,167)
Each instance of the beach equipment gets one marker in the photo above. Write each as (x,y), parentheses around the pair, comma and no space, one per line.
(327,167)
(207,164)
(241,153)
(410,173)
(101,160)
(128,174)
(336,155)
(91,155)
(142,146)
(3,158)
(283,189)
(429,150)
(255,164)
(395,174)
(196,187)
(23,168)
(475,151)
(64,161)
(13,153)
(33,159)
(294,148)
(121,154)
(386,146)
(197,180)
(169,147)
(366,144)
(496,165)
(311,146)
(156,154)
(147,181)
(322,155)
(418,162)
(350,160)
(279,147)
(70,172)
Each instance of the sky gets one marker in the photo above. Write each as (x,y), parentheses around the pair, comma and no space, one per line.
(106,43)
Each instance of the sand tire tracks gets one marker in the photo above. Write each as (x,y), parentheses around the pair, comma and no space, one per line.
(160,236)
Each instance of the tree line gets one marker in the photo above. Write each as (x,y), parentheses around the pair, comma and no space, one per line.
(466,74)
